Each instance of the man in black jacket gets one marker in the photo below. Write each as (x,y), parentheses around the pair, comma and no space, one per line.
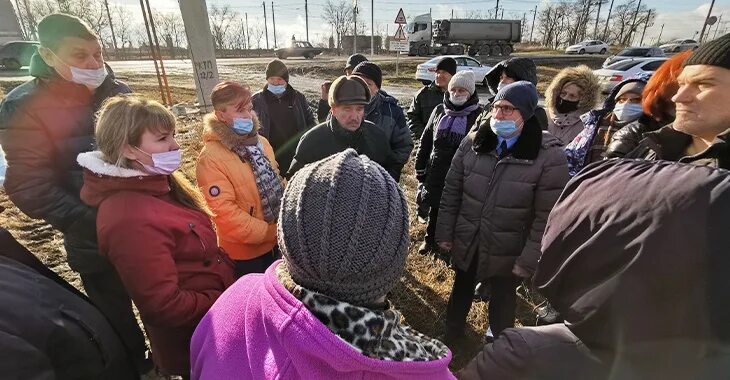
(45,123)
(428,97)
(347,128)
(323,108)
(283,112)
(701,129)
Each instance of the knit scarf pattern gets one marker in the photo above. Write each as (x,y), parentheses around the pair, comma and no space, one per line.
(268,183)
(375,332)
(452,126)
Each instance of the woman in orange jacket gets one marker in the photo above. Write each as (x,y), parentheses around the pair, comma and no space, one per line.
(239,176)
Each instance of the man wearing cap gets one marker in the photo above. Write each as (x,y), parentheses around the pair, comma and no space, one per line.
(621,108)
(428,97)
(283,112)
(323,109)
(386,114)
(323,311)
(701,128)
(347,128)
(502,184)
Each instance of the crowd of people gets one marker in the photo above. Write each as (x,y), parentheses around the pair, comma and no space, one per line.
(279,260)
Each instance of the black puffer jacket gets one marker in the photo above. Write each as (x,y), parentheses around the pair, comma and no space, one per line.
(45,124)
(434,155)
(670,144)
(329,138)
(424,102)
(48,329)
(628,138)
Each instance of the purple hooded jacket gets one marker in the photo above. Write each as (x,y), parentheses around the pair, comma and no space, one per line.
(258,330)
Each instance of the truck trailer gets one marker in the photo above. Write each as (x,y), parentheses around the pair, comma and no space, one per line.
(457,36)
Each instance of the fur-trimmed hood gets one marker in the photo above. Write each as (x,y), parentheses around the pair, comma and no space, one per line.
(215,130)
(96,163)
(584,78)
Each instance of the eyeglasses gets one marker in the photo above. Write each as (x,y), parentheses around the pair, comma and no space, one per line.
(506,110)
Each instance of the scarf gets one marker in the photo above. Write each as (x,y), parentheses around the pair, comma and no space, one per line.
(268,183)
(453,125)
(375,332)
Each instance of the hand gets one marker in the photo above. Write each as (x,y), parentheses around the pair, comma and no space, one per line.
(520,271)
(325,89)
(446,246)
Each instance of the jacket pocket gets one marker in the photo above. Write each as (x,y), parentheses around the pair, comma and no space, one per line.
(93,338)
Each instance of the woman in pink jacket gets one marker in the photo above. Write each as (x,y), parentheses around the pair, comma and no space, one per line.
(322,312)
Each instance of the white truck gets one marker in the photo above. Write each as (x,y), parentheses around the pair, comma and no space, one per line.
(456,36)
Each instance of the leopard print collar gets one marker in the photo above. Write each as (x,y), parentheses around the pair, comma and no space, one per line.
(376,333)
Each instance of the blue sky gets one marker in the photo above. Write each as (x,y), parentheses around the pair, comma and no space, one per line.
(681,18)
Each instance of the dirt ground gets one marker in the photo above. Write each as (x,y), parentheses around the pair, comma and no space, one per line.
(423,291)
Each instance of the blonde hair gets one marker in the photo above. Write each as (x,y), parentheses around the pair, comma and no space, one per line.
(121,122)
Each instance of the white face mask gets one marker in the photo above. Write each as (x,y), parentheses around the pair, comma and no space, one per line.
(458,100)
(162,163)
(91,78)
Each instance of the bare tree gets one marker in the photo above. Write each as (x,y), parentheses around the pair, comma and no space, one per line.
(256,31)
(123,28)
(338,13)
(221,21)
(238,34)
(170,27)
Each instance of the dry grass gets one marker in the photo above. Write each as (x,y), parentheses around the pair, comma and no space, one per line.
(421,295)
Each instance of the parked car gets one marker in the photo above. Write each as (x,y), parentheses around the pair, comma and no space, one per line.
(298,49)
(426,72)
(16,54)
(634,52)
(612,75)
(676,46)
(588,46)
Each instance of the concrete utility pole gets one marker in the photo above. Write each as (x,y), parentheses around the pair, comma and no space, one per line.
(452,13)
(598,14)
(266,26)
(354,40)
(648,17)
(202,51)
(659,39)
(248,35)
(111,26)
(372,27)
(273,21)
(633,22)
(306,18)
(496,10)
(704,26)
(532,28)
(605,29)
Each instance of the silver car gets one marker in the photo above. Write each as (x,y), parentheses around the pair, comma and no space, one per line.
(676,46)
(634,52)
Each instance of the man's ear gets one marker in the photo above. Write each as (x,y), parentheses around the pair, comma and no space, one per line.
(47,55)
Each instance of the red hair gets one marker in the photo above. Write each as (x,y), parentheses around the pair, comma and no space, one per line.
(662,86)
(228,91)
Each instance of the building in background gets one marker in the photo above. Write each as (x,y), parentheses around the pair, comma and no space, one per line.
(9,25)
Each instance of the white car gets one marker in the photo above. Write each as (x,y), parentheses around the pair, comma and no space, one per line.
(614,74)
(426,72)
(675,46)
(588,46)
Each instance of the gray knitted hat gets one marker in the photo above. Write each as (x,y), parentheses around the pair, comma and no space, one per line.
(343,228)
(463,79)
(522,95)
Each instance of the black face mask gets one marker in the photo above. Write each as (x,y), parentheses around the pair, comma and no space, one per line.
(566,106)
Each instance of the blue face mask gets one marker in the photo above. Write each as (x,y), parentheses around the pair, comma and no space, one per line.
(628,112)
(242,126)
(503,128)
(276,90)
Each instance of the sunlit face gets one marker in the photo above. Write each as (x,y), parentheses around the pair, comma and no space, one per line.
(236,108)
(349,116)
(459,92)
(571,92)
(73,51)
(442,78)
(150,143)
(702,101)
(276,81)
